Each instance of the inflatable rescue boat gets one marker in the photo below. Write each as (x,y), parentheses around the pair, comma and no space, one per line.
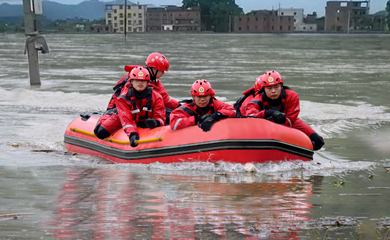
(239,140)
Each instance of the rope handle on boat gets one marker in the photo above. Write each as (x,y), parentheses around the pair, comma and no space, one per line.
(115,140)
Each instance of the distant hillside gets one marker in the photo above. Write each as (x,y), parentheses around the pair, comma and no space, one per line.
(11,20)
(10,10)
(90,9)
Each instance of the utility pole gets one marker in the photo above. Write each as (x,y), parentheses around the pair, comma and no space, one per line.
(125,19)
(32,12)
(279,19)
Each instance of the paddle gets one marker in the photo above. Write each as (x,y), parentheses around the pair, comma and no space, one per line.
(115,140)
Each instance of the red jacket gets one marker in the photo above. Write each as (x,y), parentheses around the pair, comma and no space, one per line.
(151,106)
(184,116)
(289,106)
(157,86)
(168,101)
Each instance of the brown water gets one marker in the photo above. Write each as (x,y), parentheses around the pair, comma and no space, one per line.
(343,83)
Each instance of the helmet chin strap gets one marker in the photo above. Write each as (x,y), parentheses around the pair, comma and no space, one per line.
(152,73)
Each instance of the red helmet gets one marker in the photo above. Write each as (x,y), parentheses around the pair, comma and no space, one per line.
(139,73)
(158,61)
(202,87)
(258,85)
(271,78)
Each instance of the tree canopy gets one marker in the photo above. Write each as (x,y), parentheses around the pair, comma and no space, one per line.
(215,14)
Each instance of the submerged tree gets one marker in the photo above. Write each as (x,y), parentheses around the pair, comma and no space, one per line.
(215,14)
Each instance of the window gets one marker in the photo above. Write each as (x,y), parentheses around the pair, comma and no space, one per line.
(121,7)
(139,22)
(139,15)
(282,13)
(139,7)
(109,15)
(121,22)
(120,15)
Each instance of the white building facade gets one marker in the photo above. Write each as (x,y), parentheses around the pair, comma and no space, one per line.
(299,19)
(117,15)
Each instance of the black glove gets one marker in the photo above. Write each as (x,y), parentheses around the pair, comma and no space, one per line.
(210,120)
(278,117)
(200,119)
(268,113)
(317,141)
(152,123)
(133,137)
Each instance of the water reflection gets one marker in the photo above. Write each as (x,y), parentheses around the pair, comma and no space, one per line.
(109,204)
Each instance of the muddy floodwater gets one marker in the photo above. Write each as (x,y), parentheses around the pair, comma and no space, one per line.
(342,81)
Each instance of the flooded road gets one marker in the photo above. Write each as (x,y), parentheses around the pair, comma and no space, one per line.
(342,81)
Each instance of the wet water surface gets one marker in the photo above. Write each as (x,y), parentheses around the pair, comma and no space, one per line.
(343,83)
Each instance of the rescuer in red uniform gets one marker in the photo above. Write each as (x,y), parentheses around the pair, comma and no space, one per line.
(157,64)
(138,105)
(281,105)
(248,95)
(203,110)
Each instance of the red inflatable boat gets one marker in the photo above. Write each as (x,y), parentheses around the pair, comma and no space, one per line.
(239,140)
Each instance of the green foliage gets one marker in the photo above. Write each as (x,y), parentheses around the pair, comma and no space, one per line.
(3,27)
(215,14)
(11,28)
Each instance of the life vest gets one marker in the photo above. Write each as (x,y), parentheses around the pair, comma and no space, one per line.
(118,88)
(264,105)
(238,103)
(197,111)
(138,116)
